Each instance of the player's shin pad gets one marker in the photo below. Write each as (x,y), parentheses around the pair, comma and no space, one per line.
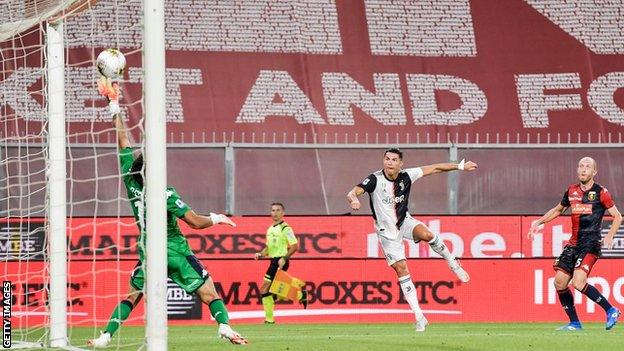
(286,286)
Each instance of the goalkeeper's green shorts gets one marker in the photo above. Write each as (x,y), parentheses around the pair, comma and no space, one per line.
(186,271)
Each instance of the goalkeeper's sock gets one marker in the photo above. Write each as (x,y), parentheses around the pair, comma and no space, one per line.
(409,291)
(595,295)
(218,311)
(120,314)
(567,301)
(437,244)
(268,303)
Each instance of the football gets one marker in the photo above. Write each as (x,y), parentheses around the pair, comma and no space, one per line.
(111,63)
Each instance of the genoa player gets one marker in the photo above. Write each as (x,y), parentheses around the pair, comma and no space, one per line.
(588,202)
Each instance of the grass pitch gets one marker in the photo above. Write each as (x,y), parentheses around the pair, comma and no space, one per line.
(443,337)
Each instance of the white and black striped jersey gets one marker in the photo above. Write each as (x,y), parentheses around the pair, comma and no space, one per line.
(389,199)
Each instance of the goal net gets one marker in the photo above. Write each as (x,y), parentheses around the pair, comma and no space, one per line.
(100,241)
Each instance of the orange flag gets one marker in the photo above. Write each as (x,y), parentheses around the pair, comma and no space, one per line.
(286,286)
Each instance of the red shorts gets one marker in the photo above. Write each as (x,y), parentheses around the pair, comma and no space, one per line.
(572,258)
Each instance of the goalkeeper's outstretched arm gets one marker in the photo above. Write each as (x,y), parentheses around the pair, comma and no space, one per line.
(122,135)
(197,221)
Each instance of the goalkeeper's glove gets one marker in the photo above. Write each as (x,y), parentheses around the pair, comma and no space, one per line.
(112,92)
(221,219)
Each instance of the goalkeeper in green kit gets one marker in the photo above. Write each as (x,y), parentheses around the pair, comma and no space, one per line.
(182,266)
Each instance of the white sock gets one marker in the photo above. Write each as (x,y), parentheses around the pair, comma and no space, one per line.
(437,244)
(409,291)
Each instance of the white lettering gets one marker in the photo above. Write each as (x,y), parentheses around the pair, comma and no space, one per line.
(600,97)
(15,93)
(372,245)
(422,88)
(534,104)
(488,241)
(275,93)
(80,93)
(552,292)
(558,239)
(537,245)
(385,105)
(176,77)
(601,283)
(538,291)
(456,241)
(617,290)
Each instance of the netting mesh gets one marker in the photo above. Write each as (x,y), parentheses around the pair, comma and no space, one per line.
(22,169)
(97,275)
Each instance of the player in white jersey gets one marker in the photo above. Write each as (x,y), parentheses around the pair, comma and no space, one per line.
(389,191)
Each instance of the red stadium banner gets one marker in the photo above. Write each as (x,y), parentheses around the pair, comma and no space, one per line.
(358,72)
(340,291)
(319,237)
(355,75)
(330,237)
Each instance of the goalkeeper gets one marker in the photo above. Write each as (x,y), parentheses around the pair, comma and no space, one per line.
(182,266)
(281,244)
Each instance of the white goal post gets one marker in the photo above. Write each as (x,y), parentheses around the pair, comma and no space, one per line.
(156,175)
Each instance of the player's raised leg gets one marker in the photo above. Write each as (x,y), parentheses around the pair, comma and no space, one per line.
(208,294)
(579,281)
(409,292)
(421,232)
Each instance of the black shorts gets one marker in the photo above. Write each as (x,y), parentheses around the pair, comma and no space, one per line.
(270,273)
(577,257)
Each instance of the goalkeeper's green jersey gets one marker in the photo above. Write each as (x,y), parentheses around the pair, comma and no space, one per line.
(176,208)
(279,236)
